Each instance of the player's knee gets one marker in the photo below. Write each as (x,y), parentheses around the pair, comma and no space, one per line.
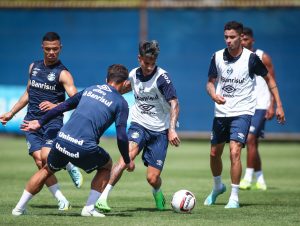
(153,179)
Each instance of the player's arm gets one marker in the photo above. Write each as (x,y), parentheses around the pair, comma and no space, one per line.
(258,68)
(210,85)
(167,89)
(266,59)
(22,102)
(174,112)
(67,81)
(67,105)
(122,139)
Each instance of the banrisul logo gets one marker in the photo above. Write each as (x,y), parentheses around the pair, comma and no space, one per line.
(51,76)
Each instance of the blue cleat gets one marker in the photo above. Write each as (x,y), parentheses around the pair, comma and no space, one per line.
(232,204)
(76,176)
(211,198)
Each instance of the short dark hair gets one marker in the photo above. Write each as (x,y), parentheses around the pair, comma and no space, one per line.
(233,25)
(149,48)
(117,73)
(51,36)
(248,31)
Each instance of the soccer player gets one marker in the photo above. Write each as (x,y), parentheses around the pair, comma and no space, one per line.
(48,81)
(154,117)
(264,111)
(233,71)
(97,107)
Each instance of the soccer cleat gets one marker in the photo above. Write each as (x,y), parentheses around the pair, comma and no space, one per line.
(160,200)
(102,205)
(63,205)
(232,204)
(245,185)
(261,186)
(18,212)
(91,213)
(76,176)
(211,198)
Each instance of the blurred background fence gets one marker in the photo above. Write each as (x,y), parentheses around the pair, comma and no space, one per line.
(96,34)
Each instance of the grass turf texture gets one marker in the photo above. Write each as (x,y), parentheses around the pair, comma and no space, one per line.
(187,167)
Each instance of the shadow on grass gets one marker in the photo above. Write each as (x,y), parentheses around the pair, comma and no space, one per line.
(51,206)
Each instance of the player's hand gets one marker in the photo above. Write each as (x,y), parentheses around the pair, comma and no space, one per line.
(219,99)
(46,106)
(173,138)
(270,113)
(4,118)
(130,166)
(280,115)
(33,125)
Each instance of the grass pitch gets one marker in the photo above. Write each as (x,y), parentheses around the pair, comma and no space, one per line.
(187,167)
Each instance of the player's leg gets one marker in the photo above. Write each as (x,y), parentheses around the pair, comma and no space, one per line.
(115,176)
(52,184)
(235,173)
(253,158)
(136,137)
(101,161)
(51,131)
(34,185)
(154,179)
(251,161)
(216,166)
(218,139)
(239,128)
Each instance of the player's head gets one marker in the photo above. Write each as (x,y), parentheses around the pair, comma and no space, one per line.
(51,45)
(247,38)
(148,53)
(117,73)
(232,34)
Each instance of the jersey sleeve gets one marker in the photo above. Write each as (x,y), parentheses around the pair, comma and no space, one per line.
(67,105)
(256,66)
(122,139)
(212,71)
(122,114)
(166,87)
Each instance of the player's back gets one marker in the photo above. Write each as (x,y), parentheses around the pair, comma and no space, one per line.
(99,107)
(44,86)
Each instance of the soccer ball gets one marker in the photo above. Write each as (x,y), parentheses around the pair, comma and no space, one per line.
(183,201)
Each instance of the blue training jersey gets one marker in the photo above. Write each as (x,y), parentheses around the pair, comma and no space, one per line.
(44,86)
(98,107)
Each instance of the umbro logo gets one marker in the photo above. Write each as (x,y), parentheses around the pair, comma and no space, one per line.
(146,107)
(228,89)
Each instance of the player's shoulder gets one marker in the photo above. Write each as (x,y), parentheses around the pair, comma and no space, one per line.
(133,71)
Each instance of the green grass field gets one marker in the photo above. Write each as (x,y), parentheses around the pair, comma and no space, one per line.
(187,167)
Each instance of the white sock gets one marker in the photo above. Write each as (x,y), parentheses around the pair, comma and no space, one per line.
(106,192)
(25,198)
(155,190)
(260,177)
(69,166)
(93,197)
(54,189)
(249,174)
(217,183)
(234,192)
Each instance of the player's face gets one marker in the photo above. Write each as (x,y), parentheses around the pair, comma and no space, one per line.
(232,39)
(247,41)
(147,64)
(51,51)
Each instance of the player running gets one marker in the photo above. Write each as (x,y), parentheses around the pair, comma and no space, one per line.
(154,117)
(97,107)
